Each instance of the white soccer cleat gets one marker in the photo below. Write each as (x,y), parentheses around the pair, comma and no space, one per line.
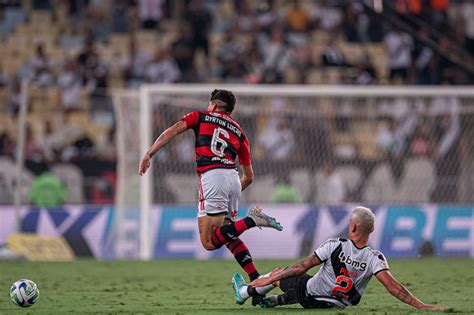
(263,220)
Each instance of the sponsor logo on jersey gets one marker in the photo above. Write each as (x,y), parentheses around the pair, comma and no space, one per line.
(362,266)
(347,273)
(222,160)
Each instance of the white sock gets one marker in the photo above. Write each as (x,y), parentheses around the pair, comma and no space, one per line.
(244,293)
(260,290)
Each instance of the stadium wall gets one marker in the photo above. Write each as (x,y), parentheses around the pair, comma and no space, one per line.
(400,231)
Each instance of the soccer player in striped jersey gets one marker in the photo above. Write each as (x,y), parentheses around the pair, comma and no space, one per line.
(348,266)
(219,142)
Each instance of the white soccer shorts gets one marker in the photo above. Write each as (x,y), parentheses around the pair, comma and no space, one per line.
(219,192)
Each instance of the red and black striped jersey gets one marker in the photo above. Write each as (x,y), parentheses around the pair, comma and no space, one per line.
(219,140)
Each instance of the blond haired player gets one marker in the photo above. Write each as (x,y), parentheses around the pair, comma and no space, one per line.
(348,266)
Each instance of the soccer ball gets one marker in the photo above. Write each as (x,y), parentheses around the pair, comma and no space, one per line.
(24,293)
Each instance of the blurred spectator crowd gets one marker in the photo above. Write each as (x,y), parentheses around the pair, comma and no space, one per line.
(74,53)
(333,150)
(100,44)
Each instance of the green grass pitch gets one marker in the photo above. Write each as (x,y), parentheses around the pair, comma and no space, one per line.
(203,287)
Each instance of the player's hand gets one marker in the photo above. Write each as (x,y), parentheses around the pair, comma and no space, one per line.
(277,270)
(260,282)
(433,307)
(144,164)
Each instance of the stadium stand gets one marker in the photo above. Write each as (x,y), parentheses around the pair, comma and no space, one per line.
(74,53)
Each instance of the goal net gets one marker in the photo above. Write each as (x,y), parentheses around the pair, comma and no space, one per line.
(320,145)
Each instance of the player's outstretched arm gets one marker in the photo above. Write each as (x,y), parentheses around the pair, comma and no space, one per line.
(295,270)
(400,292)
(160,142)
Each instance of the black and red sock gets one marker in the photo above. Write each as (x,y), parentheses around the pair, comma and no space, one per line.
(229,235)
(243,257)
(230,232)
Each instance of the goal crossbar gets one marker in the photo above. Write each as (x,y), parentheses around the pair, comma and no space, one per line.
(309,90)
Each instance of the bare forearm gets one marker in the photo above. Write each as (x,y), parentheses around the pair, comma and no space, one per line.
(245,182)
(166,137)
(279,273)
(405,296)
(161,141)
(294,270)
(400,292)
(247,176)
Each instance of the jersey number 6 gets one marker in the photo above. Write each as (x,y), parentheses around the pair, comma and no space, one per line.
(219,133)
(345,285)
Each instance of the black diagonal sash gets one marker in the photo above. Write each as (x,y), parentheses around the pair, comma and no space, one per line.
(353,296)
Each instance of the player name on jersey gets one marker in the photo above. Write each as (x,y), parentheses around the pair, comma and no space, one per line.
(223,123)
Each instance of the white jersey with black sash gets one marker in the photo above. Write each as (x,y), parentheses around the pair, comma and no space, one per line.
(346,271)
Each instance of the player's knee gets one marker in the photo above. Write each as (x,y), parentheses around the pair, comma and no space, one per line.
(207,245)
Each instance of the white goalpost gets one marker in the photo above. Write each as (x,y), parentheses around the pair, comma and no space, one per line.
(324,127)
(146,199)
